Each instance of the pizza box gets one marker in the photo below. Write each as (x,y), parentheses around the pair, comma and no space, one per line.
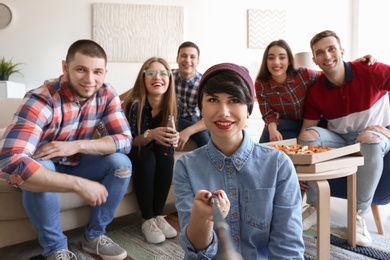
(308,159)
(330,165)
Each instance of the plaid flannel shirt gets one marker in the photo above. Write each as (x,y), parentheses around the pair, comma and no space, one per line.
(51,113)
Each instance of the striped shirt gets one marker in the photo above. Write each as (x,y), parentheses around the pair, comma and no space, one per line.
(187,93)
(52,113)
(284,100)
(361,101)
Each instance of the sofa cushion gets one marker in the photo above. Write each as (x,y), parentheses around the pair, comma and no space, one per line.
(9,107)
(12,205)
(2,131)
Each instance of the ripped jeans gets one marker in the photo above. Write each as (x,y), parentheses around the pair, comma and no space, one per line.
(367,176)
(43,208)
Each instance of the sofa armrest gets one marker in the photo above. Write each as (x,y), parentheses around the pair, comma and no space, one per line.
(2,131)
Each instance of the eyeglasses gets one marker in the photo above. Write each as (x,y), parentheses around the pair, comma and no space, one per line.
(153,73)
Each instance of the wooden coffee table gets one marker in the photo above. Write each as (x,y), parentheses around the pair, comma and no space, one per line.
(323,201)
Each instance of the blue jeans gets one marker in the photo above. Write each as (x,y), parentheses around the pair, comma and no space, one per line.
(367,176)
(288,128)
(200,138)
(43,208)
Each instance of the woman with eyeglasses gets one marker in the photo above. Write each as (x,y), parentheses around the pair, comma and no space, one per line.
(147,106)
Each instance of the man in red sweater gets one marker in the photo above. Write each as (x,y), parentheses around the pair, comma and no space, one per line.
(353,97)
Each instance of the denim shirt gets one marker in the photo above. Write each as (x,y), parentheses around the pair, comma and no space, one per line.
(261,183)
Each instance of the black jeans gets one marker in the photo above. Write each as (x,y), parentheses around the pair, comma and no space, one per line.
(152,173)
(289,129)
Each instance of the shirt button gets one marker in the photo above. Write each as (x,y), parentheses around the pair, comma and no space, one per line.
(235,239)
(234,215)
(233,192)
(230,170)
(239,163)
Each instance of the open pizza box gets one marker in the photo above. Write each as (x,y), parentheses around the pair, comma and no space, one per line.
(333,159)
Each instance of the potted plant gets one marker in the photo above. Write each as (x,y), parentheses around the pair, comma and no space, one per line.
(7,68)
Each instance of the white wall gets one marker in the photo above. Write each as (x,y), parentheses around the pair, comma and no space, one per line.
(42,31)
(373,36)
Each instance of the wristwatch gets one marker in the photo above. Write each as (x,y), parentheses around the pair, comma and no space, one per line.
(146,134)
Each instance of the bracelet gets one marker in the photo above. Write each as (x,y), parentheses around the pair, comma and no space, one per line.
(146,134)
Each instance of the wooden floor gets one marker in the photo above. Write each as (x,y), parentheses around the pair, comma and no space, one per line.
(338,216)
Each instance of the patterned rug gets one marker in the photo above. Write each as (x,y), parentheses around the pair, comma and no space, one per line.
(340,250)
(131,239)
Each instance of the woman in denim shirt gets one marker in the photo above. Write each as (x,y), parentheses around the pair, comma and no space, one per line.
(257,187)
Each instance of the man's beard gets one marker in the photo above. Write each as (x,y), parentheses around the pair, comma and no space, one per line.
(77,92)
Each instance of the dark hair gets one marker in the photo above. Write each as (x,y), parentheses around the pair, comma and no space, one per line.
(228,82)
(88,48)
(138,94)
(264,73)
(324,34)
(186,45)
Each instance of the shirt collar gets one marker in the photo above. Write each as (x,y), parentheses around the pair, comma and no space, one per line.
(348,75)
(65,88)
(179,77)
(274,83)
(239,158)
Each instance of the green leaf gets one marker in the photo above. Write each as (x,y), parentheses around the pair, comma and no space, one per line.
(7,67)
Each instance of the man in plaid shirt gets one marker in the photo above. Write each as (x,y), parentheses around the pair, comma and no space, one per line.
(190,123)
(48,148)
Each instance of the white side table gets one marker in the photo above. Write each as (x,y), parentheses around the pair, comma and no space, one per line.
(9,89)
(323,201)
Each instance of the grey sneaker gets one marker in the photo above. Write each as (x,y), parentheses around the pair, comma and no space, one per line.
(63,254)
(104,247)
(151,231)
(165,227)
(363,237)
(309,217)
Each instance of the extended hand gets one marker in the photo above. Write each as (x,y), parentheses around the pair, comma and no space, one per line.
(165,136)
(369,59)
(56,149)
(275,136)
(92,192)
(380,129)
(203,208)
(183,139)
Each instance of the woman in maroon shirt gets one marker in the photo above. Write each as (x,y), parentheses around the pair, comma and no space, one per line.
(280,91)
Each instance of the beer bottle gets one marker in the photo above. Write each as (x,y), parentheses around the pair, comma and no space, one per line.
(168,150)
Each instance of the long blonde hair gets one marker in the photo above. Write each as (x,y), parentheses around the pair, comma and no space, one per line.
(138,94)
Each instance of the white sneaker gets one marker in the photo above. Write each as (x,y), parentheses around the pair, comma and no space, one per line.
(165,227)
(309,217)
(363,238)
(151,232)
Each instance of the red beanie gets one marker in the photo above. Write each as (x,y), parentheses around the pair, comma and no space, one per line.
(240,70)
